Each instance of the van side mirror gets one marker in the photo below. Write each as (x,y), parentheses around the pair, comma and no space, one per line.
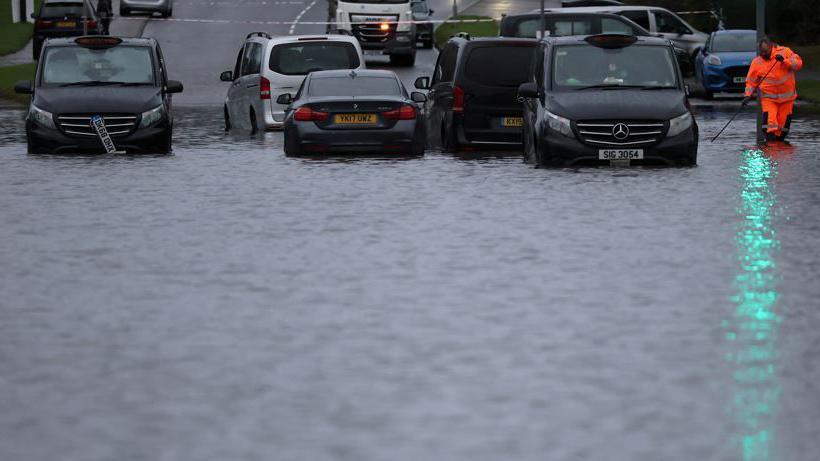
(422,83)
(173,86)
(284,99)
(529,90)
(226,76)
(431,12)
(23,87)
(418,97)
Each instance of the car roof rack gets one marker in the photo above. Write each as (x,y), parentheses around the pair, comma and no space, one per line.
(258,34)
(311,38)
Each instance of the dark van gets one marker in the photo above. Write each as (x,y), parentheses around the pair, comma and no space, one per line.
(563,24)
(473,97)
(607,99)
(99,94)
(64,18)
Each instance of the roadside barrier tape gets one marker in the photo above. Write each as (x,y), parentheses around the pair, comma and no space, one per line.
(315,23)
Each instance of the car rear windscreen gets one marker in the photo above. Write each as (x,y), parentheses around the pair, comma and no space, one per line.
(304,58)
(120,64)
(360,86)
(501,65)
(729,43)
(61,10)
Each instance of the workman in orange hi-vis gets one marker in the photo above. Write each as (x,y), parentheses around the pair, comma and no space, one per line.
(772,71)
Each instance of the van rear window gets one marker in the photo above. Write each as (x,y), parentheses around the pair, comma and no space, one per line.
(499,65)
(60,10)
(304,58)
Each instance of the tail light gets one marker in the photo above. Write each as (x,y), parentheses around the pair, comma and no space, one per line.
(41,23)
(405,112)
(306,114)
(264,88)
(91,23)
(458,99)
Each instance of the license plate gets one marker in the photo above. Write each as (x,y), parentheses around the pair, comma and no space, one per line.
(66,24)
(512,121)
(355,119)
(620,154)
(372,52)
(739,79)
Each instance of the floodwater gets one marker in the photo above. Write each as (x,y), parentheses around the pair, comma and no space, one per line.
(228,303)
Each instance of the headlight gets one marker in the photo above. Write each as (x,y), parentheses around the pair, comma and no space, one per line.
(405,26)
(152,116)
(679,124)
(41,117)
(713,60)
(559,124)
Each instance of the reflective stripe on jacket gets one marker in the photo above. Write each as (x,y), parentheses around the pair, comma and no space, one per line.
(779,84)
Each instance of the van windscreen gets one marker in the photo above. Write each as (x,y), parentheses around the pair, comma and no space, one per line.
(304,58)
(582,66)
(499,65)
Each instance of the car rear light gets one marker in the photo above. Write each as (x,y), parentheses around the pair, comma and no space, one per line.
(41,23)
(458,99)
(405,112)
(306,114)
(264,88)
(91,23)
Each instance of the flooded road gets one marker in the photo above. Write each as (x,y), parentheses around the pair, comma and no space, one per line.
(228,303)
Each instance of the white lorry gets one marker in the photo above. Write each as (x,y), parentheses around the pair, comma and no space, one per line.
(381,27)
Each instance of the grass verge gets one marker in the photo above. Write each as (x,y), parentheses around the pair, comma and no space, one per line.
(809,90)
(14,36)
(810,56)
(11,75)
(475,29)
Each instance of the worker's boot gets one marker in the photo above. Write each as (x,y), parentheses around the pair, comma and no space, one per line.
(771,137)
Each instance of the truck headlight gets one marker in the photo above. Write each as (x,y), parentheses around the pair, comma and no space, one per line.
(41,117)
(403,27)
(151,117)
(559,124)
(679,124)
(714,60)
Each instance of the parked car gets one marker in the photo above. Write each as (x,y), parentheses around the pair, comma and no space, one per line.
(576,3)
(424,31)
(100,94)
(657,21)
(268,66)
(558,23)
(722,64)
(353,111)
(604,99)
(472,98)
(164,7)
(64,18)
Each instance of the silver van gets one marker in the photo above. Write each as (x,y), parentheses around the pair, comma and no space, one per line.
(659,21)
(268,66)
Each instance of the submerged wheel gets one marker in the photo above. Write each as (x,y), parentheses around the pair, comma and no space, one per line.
(254,128)
(125,11)
(403,60)
(227,119)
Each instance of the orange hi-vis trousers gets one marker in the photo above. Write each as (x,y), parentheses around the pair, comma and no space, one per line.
(778,116)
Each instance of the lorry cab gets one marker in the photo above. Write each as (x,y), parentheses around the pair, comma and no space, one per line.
(382,27)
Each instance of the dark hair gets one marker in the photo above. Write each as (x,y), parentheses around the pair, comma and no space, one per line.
(765,40)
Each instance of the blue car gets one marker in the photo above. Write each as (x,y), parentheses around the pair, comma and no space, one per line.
(722,65)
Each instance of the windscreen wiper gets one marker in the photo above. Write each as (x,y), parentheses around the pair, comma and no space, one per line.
(92,83)
(659,87)
(607,86)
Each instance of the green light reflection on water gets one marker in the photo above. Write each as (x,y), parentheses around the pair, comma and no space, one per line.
(752,332)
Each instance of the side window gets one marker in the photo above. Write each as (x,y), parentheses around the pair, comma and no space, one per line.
(256,58)
(640,17)
(566,28)
(162,70)
(669,24)
(613,26)
(448,66)
(238,65)
(247,59)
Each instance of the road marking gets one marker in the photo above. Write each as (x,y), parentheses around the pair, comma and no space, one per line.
(299,16)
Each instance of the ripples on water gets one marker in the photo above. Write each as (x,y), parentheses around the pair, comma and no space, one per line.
(226,302)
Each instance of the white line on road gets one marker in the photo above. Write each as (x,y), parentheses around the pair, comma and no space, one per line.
(299,16)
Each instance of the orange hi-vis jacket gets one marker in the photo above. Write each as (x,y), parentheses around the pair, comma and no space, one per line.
(779,85)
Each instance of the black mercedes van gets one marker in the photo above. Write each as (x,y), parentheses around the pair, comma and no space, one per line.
(100,94)
(607,99)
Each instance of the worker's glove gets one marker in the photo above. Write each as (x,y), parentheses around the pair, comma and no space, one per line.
(746,101)
(779,57)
